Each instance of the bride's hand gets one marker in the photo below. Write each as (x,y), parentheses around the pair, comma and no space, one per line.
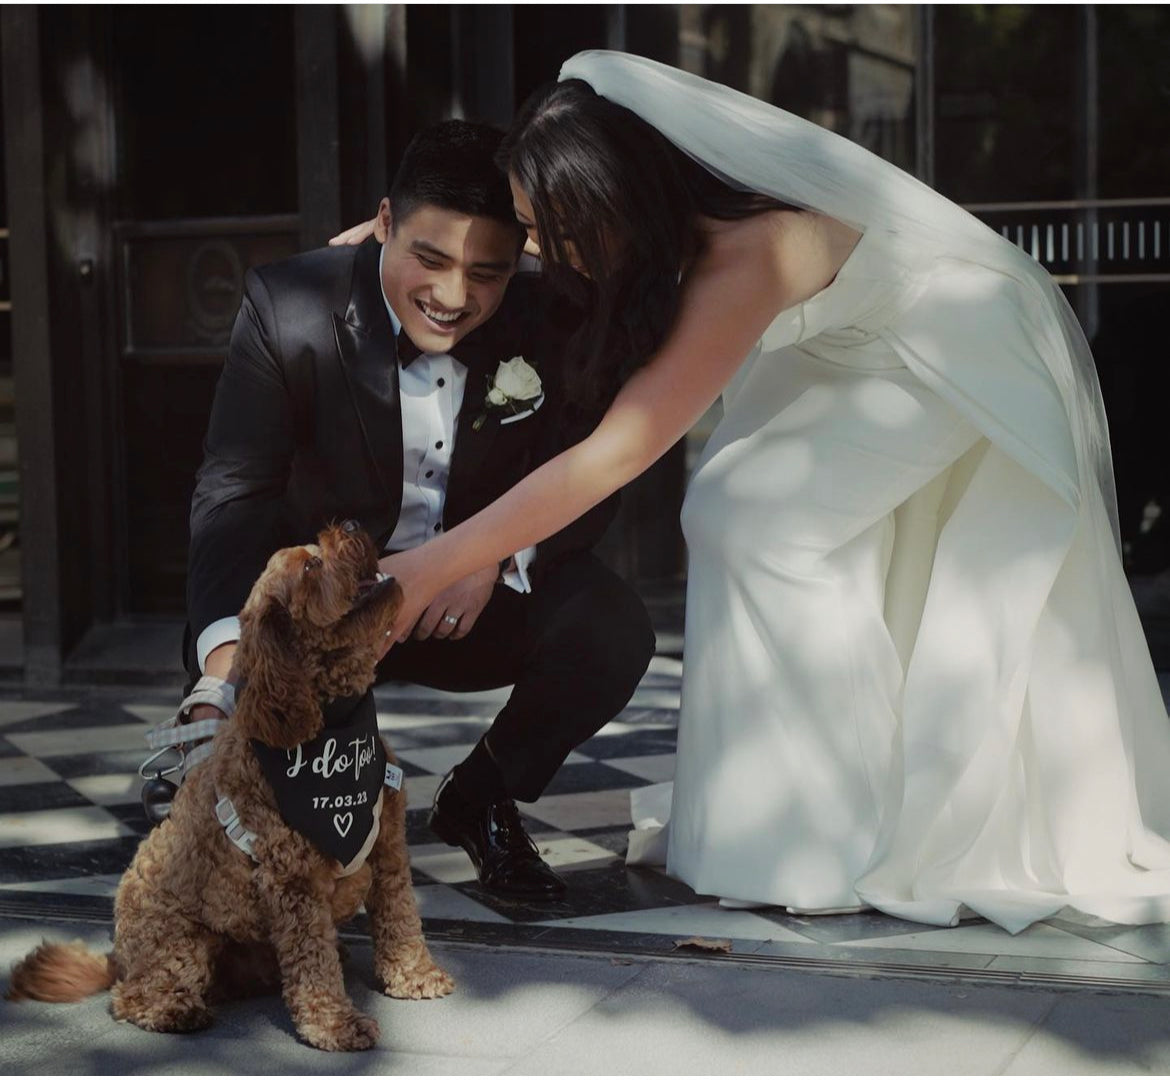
(356,234)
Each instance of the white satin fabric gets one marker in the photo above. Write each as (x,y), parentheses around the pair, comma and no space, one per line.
(914,677)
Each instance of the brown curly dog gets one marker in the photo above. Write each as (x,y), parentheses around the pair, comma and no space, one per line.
(196,918)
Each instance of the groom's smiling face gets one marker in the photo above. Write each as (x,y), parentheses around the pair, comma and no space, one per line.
(445,272)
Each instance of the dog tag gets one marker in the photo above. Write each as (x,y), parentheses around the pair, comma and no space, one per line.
(393,777)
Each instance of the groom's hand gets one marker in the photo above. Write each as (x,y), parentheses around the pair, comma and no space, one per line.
(454,611)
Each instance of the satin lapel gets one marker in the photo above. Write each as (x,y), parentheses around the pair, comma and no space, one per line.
(365,350)
(472,447)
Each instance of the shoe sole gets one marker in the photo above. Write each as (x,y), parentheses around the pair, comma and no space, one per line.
(451,840)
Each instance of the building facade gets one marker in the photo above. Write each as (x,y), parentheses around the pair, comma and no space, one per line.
(152,154)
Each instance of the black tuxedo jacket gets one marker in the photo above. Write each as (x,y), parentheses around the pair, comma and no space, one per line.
(306,426)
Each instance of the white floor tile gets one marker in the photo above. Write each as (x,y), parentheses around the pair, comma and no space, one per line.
(628,727)
(1039,940)
(441,759)
(449,865)
(392,720)
(1146,942)
(655,698)
(1121,968)
(410,691)
(112,789)
(15,712)
(691,920)
(435,759)
(79,740)
(60,826)
(584,810)
(653,767)
(98,885)
(420,791)
(665,666)
(399,738)
(24,770)
(573,852)
(440,902)
(153,714)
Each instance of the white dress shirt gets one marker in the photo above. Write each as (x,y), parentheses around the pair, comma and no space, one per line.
(431,394)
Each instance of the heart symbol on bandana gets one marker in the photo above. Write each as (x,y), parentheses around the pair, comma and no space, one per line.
(343,823)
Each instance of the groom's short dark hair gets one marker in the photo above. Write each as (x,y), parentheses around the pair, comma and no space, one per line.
(452,165)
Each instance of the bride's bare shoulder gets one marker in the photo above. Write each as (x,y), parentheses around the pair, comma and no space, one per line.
(803,249)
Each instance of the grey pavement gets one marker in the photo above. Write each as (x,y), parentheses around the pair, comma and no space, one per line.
(526,1012)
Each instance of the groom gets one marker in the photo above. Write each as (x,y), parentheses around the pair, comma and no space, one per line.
(366,383)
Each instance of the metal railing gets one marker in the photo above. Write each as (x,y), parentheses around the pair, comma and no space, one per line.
(1089,241)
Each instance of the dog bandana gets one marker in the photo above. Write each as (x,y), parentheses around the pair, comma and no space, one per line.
(327,789)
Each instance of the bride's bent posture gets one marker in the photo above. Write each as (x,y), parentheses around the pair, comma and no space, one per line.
(914,676)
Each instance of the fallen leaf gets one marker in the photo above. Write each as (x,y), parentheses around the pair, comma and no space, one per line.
(704,944)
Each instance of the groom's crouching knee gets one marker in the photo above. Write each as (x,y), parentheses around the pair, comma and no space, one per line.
(604,634)
(624,642)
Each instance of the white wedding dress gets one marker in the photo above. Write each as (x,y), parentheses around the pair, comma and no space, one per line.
(914,677)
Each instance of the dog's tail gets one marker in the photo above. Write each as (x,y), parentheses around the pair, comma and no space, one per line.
(59,972)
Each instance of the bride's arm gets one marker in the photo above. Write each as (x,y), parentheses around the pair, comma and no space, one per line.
(731,297)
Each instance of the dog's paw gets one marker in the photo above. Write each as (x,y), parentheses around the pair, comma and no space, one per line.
(354,1031)
(415,985)
(412,974)
(165,1012)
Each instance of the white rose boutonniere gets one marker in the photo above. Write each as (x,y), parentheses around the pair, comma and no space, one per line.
(515,389)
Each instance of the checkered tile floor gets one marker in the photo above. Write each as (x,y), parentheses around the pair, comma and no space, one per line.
(70,819)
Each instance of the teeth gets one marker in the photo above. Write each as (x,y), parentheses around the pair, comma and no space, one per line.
(438,316)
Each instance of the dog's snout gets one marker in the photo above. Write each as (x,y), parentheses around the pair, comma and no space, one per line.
(313,562)
(350,526)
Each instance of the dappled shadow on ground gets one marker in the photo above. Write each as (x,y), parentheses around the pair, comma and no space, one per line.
(550,1013)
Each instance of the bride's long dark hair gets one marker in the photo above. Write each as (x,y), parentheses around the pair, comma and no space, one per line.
(629,201)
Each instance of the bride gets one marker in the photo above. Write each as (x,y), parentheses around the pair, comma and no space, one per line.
(914,677)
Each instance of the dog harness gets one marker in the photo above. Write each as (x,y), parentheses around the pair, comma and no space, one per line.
(190,738)
(330,788)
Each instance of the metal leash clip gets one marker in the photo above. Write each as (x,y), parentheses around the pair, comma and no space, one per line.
(157,792)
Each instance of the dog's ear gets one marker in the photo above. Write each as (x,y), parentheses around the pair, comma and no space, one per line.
(278,705)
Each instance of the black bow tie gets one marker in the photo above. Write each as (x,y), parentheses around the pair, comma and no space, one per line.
(468,352)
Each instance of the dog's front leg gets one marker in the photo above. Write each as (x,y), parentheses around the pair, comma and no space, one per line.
(305,940)
(164,957)
(402,962)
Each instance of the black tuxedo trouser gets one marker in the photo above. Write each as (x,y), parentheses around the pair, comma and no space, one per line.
(575,648)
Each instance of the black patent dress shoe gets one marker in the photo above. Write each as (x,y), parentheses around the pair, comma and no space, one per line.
(506,860)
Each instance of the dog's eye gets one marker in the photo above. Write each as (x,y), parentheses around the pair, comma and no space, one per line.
(311,563)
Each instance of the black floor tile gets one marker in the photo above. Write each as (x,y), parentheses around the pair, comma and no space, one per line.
(28,798)
(8,750)
(829,929)
(634,744)
(86,715)
(50,906)
(638,714)
(410,769)
(443,734)
(132,816)
(417,831)
(589,776)
(388,703)
(97,763)
(597,891)
(612,839)
(44,862)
